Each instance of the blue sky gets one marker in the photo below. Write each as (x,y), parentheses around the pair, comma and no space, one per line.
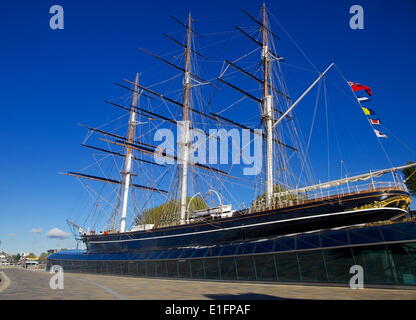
(53,79)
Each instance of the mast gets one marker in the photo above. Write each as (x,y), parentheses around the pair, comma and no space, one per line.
(267,109)
(184,138)
(126,173)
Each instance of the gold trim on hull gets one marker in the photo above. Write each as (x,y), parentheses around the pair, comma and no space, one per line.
(401,202)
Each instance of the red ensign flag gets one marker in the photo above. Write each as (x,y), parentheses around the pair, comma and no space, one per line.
(357,87)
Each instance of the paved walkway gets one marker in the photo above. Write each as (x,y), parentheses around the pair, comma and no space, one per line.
(28,284)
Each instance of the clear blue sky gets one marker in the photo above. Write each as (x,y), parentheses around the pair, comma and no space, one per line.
(53,79)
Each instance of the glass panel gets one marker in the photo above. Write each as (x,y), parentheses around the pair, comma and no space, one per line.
(100,267)
(172,269)
(142,256)
(404,257)
(181,254)
(215,251)
(245,268)
(187,253)
(338,263)
(211,268)
(246,248)
(141,268)
(265,267)
(111,267)
(131,268)
(150,268)
(174,254)
(400,231)
(125,267)
(197,269)
(312,266)
(308,242)
(378,267)
(228,271)
(161,268)
(91,266)
(284,244)
(162,255)
(200,253)
(74,266)
(287,267)
(334,238)
(263,246)
(184,269)
(104,267)
(153,255)
(229,250)
(119,267)
(365,235)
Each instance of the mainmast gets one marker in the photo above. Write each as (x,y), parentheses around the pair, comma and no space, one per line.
(184,135)
(267,109)
(126,173)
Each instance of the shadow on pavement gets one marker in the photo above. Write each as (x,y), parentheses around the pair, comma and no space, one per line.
(245,296)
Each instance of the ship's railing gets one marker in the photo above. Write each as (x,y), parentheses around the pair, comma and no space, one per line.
(296,198)
(93,232)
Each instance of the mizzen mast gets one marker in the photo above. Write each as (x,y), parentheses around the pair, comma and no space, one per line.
(127,170)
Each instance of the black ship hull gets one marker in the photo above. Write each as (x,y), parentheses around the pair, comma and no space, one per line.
(308,216)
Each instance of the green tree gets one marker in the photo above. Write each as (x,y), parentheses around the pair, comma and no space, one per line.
(16,258)
(168,211)
(31,255)
(410,179)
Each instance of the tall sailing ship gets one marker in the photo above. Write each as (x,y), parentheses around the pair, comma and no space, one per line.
(280,209)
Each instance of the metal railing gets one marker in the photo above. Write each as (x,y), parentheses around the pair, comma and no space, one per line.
(295,198)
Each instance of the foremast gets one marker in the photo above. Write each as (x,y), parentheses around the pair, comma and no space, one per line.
(127,170)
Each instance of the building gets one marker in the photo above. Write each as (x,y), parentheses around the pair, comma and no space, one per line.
(386,252)
(31,263)
(4,258)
